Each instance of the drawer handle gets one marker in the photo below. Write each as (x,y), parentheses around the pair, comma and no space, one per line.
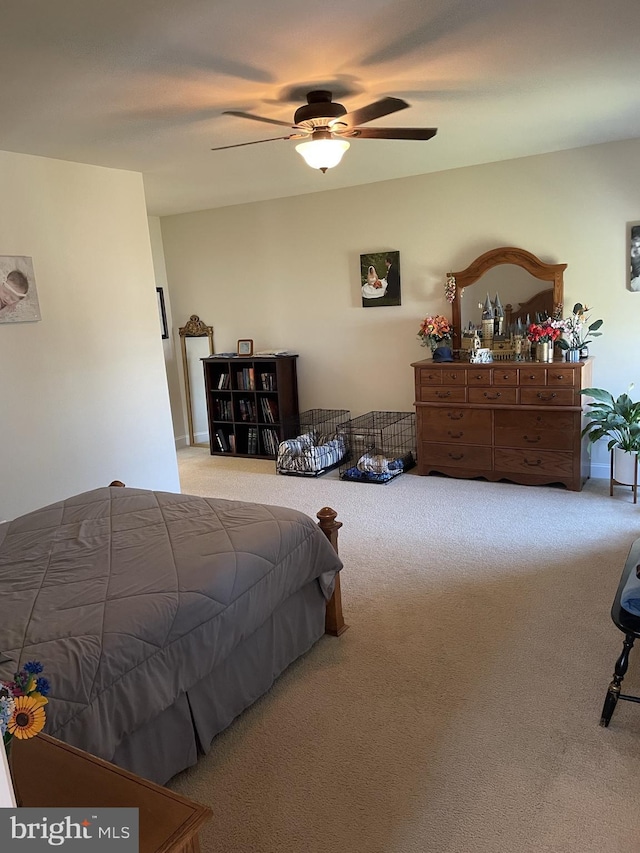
(455,434)
(478,376)
(560,376)
(532,376)
(544,396)
(506,376)
(533,464)
(443,394)
(455,416)
(490,396)
(456,456)
(532,440)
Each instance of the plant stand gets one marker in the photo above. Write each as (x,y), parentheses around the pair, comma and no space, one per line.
(633,486)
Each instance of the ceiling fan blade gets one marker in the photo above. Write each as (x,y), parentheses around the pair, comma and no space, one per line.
(239,114)
(257,142)
(391,133)
(384,107)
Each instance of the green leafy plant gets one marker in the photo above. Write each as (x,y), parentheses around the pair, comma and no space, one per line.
(578,329)
(618,420)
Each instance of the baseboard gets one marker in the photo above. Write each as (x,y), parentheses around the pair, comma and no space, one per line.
(600,470)
(181,441)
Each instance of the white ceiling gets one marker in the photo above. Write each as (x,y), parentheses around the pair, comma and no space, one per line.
(141,85)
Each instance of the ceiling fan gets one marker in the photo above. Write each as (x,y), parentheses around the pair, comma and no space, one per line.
(324,126)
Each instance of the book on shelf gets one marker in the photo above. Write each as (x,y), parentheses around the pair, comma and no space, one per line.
(270,441)
(222,441)
(268,381)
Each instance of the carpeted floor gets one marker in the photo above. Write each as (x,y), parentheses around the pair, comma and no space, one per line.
(459,713)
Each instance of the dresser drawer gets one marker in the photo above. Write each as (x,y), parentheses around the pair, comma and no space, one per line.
(476,376)
(505,376)
(442,394)
(455,456)
(503,396)
(454,376)
(544,430)
(426,376)
(533,375)
(551,396)
(464,426)
(548,463)
(561,377)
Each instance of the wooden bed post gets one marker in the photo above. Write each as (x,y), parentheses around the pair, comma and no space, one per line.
(117,483)
(334,620)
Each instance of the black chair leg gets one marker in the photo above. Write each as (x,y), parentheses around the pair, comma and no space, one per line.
(613,693)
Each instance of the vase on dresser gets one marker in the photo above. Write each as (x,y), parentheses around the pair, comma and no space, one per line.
(572,355)
(542,351)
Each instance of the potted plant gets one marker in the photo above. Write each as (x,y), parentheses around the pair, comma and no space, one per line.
(579,332)
(619,421)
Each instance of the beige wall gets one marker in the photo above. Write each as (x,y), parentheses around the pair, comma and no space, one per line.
(286,272)
(170,345)
(83,394)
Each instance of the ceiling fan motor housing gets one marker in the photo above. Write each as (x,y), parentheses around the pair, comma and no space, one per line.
(319,110)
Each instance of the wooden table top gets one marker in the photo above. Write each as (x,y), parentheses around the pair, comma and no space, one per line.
(51,774)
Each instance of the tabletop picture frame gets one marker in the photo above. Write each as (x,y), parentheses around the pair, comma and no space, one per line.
(245,346)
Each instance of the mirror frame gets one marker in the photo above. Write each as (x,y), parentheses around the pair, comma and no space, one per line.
(494,258)
(193,328)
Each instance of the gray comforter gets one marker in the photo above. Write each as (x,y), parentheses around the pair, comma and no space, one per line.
(130,597)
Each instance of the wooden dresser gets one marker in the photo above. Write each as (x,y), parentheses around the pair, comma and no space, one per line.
(517,421)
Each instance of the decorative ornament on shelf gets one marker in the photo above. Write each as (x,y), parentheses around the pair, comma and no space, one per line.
(578,332)
(22,704)
(435,331)
(450,288)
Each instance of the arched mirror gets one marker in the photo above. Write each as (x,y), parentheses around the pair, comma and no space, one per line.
(525,284)
(197,343)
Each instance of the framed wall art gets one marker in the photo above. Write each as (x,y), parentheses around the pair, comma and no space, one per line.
(380,279)
(633,255)
(245,346)
(162,313)
(18,294)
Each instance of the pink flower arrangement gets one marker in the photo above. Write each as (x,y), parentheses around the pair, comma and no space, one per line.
(434,329)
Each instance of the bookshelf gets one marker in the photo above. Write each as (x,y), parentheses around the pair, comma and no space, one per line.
(249,402)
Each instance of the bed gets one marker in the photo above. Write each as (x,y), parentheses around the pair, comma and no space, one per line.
(159,617)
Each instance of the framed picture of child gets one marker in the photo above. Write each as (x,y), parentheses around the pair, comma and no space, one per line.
(18,294)
(380,279)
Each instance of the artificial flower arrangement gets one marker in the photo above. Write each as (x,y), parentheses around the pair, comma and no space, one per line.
(546,331)
(435,329)
(22,703)
(450,288)
(579,332)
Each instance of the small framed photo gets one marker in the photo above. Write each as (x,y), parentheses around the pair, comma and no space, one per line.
(245,346)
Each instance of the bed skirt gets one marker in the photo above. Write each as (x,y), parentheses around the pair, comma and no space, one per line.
(174,739)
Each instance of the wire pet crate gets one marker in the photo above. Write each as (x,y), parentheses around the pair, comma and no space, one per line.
(317,444)
(381,446)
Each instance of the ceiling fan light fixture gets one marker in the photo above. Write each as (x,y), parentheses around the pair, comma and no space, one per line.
(322,154)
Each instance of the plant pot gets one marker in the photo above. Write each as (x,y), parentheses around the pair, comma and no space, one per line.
(572,355)
(624,466)
(542,351)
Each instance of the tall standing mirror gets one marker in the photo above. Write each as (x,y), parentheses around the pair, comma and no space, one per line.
(197,343)
(526,286)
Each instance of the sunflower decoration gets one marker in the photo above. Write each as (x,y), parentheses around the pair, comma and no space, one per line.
(22,702)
